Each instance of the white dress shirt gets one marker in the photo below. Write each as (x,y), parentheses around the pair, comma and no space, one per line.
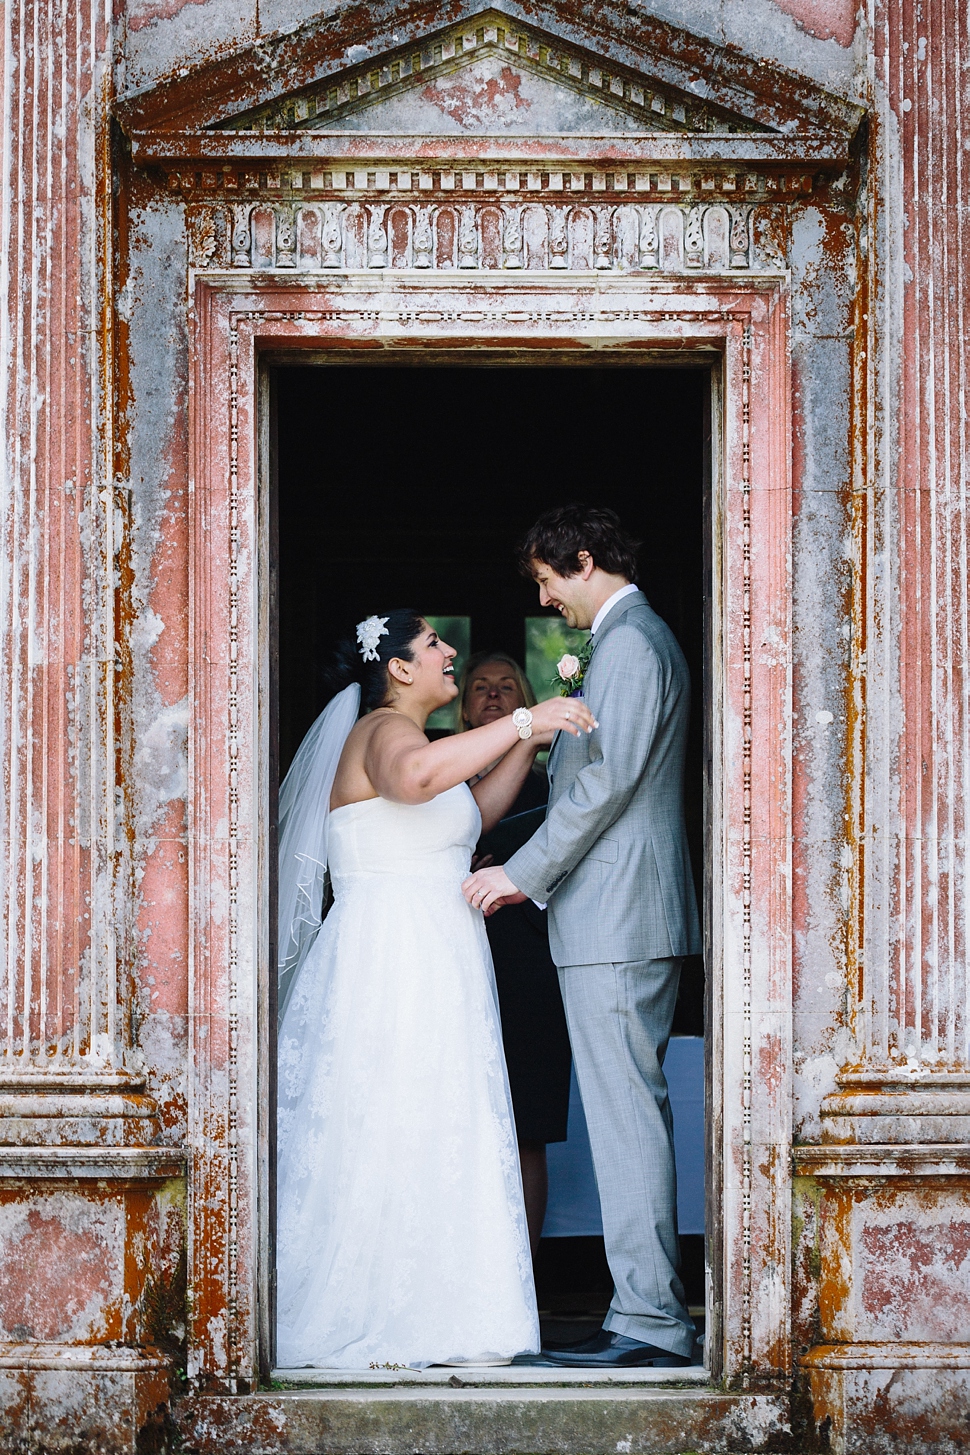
(610,603)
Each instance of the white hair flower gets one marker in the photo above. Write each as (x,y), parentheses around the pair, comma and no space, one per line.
(369,633)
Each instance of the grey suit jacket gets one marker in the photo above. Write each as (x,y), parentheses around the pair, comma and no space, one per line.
(611,857)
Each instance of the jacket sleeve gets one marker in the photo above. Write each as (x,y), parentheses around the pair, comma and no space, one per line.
(625,689)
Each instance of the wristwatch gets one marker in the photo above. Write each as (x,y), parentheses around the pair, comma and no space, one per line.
(522,722)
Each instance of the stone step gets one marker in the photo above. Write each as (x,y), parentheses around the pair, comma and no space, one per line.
(566,1418)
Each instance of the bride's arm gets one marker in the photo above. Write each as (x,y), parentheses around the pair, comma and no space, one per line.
(404,767)
(498,790)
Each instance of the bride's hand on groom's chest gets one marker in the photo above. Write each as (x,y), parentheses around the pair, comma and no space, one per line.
(569,749)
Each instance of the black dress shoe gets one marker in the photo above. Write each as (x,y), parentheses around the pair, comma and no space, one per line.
(615,1351)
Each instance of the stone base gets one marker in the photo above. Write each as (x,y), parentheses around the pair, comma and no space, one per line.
(906,1399)
(75,1109)
(83,1401)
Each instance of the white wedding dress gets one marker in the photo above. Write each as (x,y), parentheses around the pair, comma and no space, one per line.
(401,1226)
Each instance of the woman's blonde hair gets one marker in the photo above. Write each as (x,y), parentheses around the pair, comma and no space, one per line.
(478,660)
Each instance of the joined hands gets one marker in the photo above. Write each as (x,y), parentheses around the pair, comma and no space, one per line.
(491,889)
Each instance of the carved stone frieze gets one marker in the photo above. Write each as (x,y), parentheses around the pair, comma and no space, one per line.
(666,237)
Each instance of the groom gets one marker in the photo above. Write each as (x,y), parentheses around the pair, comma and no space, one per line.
(611,860)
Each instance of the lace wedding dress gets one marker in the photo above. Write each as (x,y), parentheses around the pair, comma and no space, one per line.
(401,1226)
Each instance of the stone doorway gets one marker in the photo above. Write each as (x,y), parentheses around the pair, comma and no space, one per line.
(245,327)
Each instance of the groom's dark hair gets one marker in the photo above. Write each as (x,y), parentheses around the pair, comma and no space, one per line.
(559,535)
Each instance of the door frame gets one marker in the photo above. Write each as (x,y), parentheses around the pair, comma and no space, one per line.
(240,322)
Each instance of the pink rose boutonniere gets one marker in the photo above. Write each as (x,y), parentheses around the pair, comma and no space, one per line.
(571,670)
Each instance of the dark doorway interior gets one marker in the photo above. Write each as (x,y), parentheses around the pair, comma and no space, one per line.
(410,486)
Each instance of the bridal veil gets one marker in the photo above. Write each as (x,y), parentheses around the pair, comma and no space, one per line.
(304,826)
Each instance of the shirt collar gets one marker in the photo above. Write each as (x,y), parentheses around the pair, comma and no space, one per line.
(609,604)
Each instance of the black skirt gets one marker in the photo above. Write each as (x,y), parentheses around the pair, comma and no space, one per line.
(533,1020)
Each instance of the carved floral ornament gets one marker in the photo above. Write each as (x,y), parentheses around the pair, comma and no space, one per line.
(716,236)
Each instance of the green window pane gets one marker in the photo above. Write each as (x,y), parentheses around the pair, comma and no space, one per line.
(547,638)
(457,632)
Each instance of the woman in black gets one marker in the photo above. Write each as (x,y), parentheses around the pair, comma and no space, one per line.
(533,1021)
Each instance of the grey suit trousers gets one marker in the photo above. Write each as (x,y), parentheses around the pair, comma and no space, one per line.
(619,1018)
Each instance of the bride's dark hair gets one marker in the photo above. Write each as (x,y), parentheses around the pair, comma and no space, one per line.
(348,663)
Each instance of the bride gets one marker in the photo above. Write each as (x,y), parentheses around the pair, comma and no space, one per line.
(401,1228)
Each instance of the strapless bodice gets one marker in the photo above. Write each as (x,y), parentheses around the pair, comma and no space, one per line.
(433,840)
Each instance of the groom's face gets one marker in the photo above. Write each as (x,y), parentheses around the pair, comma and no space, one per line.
(568,594)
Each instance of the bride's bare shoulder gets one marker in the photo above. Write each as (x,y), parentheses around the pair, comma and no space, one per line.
(352,783)
(382,722)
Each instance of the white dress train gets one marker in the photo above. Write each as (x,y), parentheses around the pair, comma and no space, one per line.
(401,1226)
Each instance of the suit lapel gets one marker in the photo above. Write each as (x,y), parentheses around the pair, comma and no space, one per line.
(635,598)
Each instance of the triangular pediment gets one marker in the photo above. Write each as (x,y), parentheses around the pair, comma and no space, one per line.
(376,81)
(493,75)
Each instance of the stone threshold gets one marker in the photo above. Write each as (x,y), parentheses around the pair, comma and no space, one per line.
(521,1376)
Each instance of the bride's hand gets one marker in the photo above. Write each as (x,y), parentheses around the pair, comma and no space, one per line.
(562,714)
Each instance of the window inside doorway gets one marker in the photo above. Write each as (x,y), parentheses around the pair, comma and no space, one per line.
(547,640)
(409,486)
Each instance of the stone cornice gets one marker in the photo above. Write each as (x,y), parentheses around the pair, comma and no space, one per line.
(114,1164)
(372,150)
(91,1358)
(74,1108)
(877,1160)
(69,1080)
(903,1078)
(888,1355)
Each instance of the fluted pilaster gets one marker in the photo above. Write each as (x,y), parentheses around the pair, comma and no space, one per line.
(909,941)
(60,1011)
